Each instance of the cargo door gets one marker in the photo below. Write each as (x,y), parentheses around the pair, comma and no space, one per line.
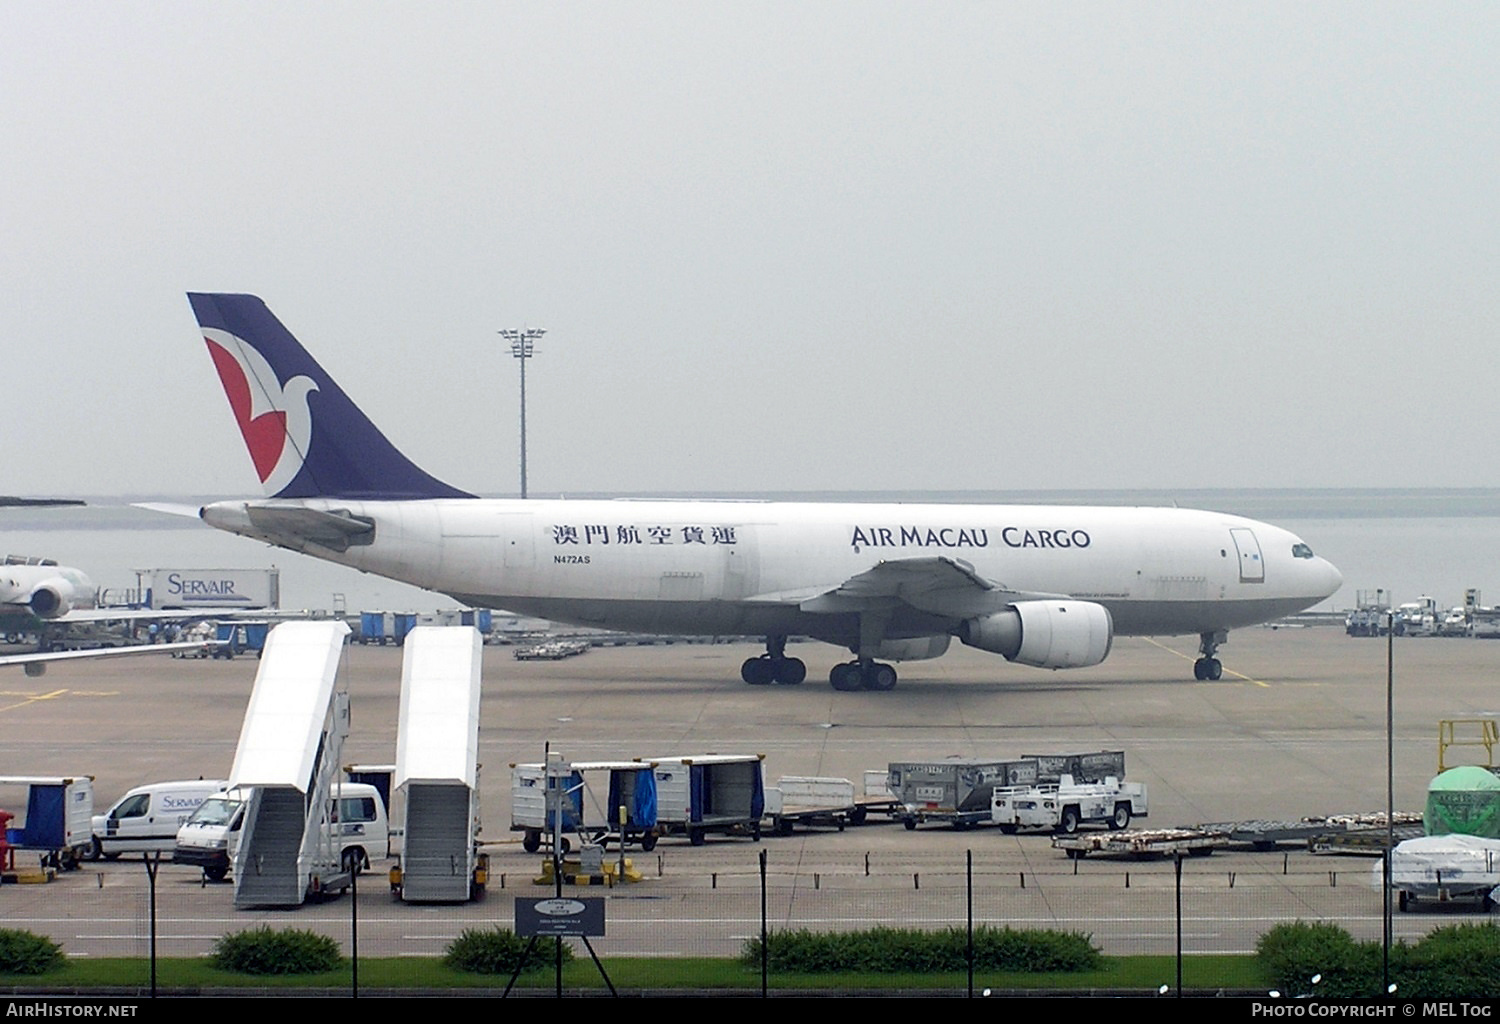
(1252,568)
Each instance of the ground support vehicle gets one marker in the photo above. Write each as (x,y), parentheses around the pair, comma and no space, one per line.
(58,824)
(626,814)
(1068,805)
(554,650)
(1444,869)
(437,767)
(959,793)
(709,793)
(385,627)
(1141,843)
(1266,835)
(1365,834)
(147,818)
(357,824)
(813,802)
(288,757)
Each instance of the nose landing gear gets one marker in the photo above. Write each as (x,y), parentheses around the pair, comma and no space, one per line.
(1208,667)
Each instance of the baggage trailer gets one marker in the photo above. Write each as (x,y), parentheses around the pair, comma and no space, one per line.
(1444,869)
(1141,843)
(630,788)
(1093,766)
(960,793)
(58,823)
(814,802)
(709,793)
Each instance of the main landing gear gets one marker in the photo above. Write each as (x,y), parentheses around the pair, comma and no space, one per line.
(773,666)
(862,675)
(1209,667)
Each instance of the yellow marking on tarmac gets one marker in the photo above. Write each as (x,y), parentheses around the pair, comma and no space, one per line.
(32,698)
(1194,657)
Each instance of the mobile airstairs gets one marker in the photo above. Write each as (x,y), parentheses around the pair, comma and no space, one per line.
(288,752)
(437,764)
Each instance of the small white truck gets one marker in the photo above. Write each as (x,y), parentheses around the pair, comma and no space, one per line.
(1067,805)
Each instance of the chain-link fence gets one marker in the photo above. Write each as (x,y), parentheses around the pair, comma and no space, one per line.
(708,902)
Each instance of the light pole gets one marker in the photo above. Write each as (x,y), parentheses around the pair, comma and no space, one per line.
(521,343)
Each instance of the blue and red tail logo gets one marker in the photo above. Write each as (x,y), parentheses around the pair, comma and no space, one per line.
(305,437)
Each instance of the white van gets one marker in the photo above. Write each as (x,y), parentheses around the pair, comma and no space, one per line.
(209,838)
(147,818)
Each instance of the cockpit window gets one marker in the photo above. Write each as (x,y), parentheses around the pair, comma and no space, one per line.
(1301,551)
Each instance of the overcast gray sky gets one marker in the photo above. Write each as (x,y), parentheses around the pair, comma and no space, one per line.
(776,246)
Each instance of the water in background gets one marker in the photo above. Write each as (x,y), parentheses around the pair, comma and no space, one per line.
(1410,542)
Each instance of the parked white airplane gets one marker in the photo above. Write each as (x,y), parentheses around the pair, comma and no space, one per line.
(38,591)
(1042,586)
(40,588)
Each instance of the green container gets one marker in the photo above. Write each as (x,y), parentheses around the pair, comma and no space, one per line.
(1463,801)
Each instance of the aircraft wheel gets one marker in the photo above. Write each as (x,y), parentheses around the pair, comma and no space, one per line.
(845,676)
(1214,670)
(881,678)
(757,671)
(790,671)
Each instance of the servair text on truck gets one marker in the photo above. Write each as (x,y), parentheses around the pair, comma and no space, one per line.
(213,588)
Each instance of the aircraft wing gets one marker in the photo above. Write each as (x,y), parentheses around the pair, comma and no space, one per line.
(36,664)
(938,586)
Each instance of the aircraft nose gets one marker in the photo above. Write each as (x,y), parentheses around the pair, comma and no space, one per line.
(1333,579)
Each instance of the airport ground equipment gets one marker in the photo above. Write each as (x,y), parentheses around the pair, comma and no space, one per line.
(147,818)
(210,838)
(1444,869)
(240,637)
(1141,842)
(59,818)
(1067,805)
(629,788)
(1265,834)
(382,777)
(959,793)
(710,793)
(1482,733)
(1364,834)
(437,766)
(385,627)
(288,753)
(815,802)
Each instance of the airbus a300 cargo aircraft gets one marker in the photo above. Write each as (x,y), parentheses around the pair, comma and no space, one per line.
(1044,586)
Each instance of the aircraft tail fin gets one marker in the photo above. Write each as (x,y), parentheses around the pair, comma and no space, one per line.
(306,438)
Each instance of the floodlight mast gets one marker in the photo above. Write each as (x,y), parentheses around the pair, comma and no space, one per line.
(521,346)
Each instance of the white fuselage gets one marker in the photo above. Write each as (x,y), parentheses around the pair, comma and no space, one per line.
(745,567)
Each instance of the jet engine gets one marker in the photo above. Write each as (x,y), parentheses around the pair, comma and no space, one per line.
(1044,634)
(914,649)
(51,599)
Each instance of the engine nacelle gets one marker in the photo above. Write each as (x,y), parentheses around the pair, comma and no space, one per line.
(914,649)
(51,599)
(1044,634)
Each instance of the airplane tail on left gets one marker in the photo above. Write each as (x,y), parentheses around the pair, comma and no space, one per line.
(305,437)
